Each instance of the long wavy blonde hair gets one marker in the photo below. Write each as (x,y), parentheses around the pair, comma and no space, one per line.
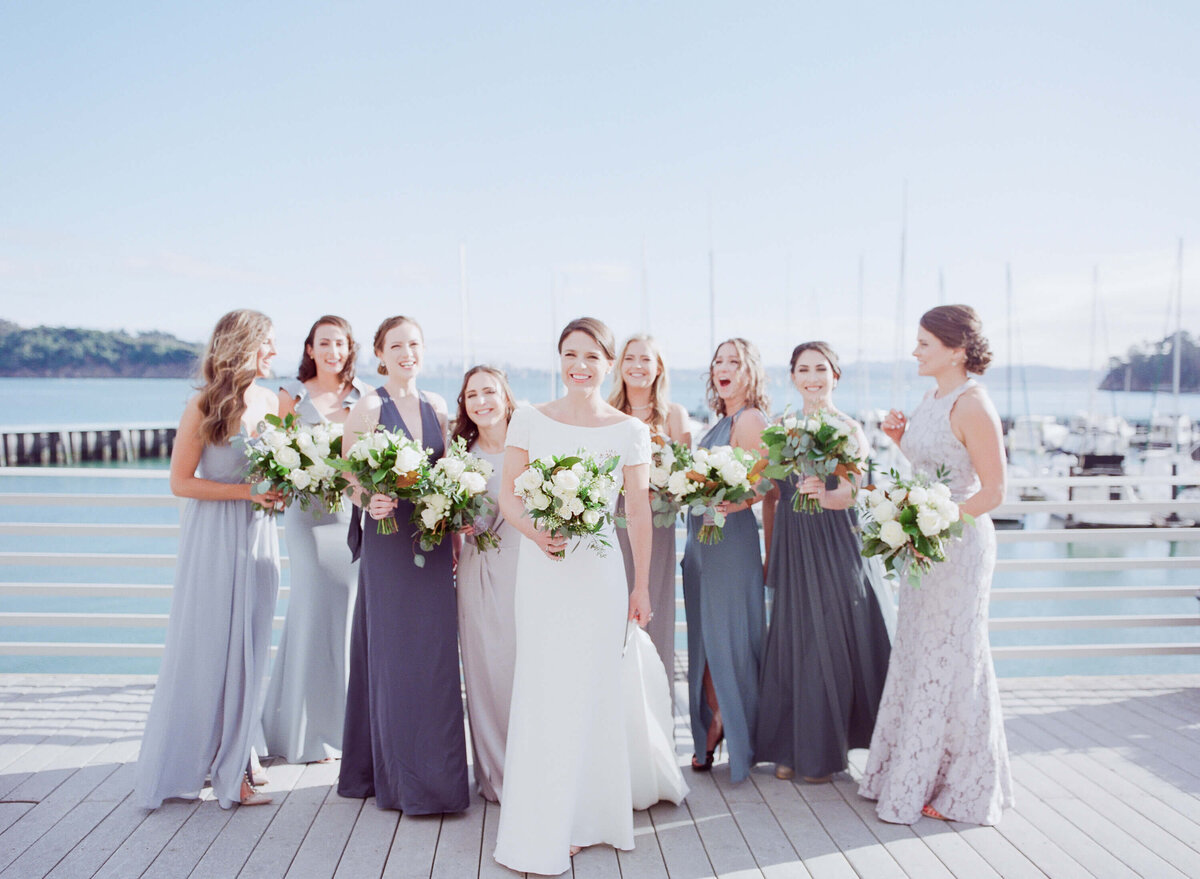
(756,386)
(227,370)
(659,391)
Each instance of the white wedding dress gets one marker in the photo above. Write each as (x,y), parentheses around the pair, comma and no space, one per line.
(583,719)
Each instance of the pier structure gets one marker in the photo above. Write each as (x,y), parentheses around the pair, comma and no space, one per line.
(72,444)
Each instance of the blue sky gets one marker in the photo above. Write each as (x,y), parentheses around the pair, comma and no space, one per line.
(162,164)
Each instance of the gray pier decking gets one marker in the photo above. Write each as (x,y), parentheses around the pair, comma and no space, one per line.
(1107,773)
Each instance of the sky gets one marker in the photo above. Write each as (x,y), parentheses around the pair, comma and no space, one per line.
(163,163)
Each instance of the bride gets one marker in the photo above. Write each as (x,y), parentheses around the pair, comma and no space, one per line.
(567,775)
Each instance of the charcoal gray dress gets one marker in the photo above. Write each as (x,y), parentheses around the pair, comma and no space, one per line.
(403,741)
(214,667)
(306,698)
(723,600)
(827,648)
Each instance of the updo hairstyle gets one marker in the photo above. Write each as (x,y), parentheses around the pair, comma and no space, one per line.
(958,326)
(821,348)
(386,327)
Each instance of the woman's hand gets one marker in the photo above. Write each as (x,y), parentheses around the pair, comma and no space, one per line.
(894,424)
(813,485)
(727,507)
(553,545)
(467,530)
(639,607)
(382,506)
(272,499)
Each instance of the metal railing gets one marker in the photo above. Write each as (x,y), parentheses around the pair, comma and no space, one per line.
(12,532)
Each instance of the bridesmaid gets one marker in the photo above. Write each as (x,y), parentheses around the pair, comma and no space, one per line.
(723,582)
(306,698)
(939,747)
(827,647)
(205,704)
(640,388)
(403,741)
(487,582)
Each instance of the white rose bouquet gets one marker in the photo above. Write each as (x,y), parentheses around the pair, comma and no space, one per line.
(294,458)
(666,459)
(570,495)
(722,473)
(452,496)
(823,444)
(388,463)
(911,524)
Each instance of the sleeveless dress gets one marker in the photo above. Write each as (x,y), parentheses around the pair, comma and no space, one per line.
(403,740)
(723,600)
(204,713)
(487,636)
(827,647)
(306,698)
(939,738)
(567,769)
(661,628)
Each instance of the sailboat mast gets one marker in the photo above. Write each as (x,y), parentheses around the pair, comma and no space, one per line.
(900,328)
(462,293)
(1092,346)
(1177,347)
(864,386)
(1011,351)
(645,293)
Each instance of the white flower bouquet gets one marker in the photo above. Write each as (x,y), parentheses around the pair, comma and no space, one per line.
(722,473)
(666,459)
(570,495)
(823,444)
(388,463)
(452,496)
(295,458)
(911,524)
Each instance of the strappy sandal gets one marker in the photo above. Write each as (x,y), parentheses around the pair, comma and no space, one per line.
(929,812)
(250,795)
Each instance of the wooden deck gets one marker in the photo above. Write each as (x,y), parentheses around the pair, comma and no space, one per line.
(1107,773)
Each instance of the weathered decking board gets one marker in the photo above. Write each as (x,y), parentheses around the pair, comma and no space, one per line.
(1107,777)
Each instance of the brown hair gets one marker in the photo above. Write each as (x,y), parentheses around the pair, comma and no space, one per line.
(958,326)
(595,328)
(308,366)
(659,397)
(386,327)
(756,388)
(821,348)
(226,372)
(463,425)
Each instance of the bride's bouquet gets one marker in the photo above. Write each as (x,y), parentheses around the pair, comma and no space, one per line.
(911,524)
(666,459)
(452,496)
(823,444)
(294,458)
(722,473)
(388,463)
(570,495)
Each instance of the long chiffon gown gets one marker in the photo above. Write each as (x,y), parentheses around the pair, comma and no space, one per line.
(827,647)
(567,770)
(939,738)
(403,741)
(723,600)
(306,698)
(487,636)
(204,712)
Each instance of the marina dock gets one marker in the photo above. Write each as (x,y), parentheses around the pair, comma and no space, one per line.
(73,444)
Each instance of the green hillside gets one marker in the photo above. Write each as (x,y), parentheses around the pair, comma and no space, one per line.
(68,352)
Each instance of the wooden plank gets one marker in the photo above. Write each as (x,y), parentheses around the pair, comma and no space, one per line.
(370,840)
(142,846)
(321,851)
(180,856)
(488,868)
(596,862)
(273,855)
(11,812)
(1000,854)
(909,850)
(818,851)
(772,851)
(413,847)
(56,803)
(460,843)
(723,841)
(646,859)
(682,849)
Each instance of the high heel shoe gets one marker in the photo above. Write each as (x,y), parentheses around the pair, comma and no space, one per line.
(710,754)
(250,795)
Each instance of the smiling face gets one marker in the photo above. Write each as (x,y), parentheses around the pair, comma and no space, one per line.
(483,400)
(329,349)
(729,375)
(402,351)
(639,366)
(933,356)
(584,363)
(814,378)
(264,355)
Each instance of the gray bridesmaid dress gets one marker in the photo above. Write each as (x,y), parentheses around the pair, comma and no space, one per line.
(723,600)
(487,584)
(827,648)
(403,741)
(661,627)
(306,698)
(214,667)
